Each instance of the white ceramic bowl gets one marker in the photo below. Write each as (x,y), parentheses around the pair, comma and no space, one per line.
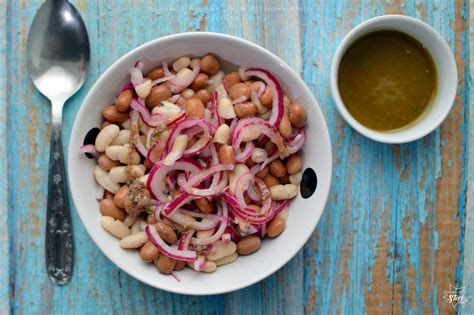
(445,66)
(304,213)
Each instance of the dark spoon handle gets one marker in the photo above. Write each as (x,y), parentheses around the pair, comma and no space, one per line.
(59,240)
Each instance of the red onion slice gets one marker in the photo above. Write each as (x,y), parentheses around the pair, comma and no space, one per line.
(157,177)
(150,120)
(136,76)
(181,217)
(261,89)
(163,79)
(277,93)
(242,184)
(216,236)
(176,203)
(89,148)
(184,240)
(239,100)
(165,249)
(251,128)
(199,263)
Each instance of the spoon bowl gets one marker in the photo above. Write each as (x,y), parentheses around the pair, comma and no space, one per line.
(58,56)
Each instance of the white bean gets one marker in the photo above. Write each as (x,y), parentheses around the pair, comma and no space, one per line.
(227,259)
(119,174)
(209,266)
(104,180)
(134,240)
(106,136)
(214,81)
(122,154)
(185,75)
(221,249)
(204,234)
(136,227)
(295,179)
(196,62)
(225,108)
(122,137)
(114,227)
(281,192)
(187,93)
(143,179)
(259,155)
(130,220)
(222,134)
(143,89)
(238,170)
(181,63)
(126,124)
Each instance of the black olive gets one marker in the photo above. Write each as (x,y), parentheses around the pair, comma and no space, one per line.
(309,181)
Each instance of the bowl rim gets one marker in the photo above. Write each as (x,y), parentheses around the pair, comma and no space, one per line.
(323,196)
(392,137)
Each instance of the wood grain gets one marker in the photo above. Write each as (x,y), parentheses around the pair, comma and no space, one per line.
(397,229)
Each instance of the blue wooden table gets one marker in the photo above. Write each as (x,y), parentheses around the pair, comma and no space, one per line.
(398,227)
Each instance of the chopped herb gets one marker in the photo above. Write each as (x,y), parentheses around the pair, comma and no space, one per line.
(148,210)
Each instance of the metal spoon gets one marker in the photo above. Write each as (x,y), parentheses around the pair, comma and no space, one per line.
(58,58)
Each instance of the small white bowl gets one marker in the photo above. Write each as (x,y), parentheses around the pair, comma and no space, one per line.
(445,66)
(304,214)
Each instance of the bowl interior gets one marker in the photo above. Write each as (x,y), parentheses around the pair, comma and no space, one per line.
(445,66)
(304,213)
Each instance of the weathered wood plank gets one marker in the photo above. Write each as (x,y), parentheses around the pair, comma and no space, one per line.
(468,266)
(4,210)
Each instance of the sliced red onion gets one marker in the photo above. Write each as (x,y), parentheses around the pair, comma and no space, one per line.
(171,183)
(156,178)
(279,207)
(233,124)
(252,193)
(140,147)
(216,236)
(166,70)
(174,274)
(139,65)
(176,203)
(233,234)
(184,240)
(181,217)
(239,100)
(126,86)
(261,89)
(165,249)
(263,230)
(251,128)
(214,189)
(226,237)
(202,175)
(179,83)
(90,149)
(150,120)
(186,124)
(241,156)
(136,76)
(269,159)
(277,93)
(297,143)
(242,184)
(173,99)
(199,263)
(163,79)
(99,195)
